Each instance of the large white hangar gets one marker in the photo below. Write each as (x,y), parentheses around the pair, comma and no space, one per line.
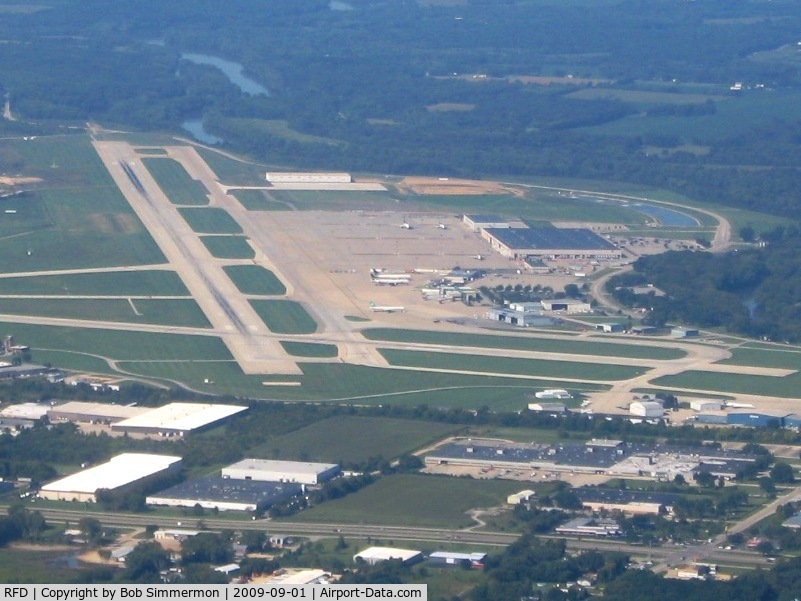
(120,471)
(265,470)
(178,419)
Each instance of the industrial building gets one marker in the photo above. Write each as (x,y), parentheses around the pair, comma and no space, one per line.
(705,405)
(308,178)
(547,407)
(550,243)
(627,501)
(761,419)
(554,393)
(480,222)
(684,333)
(596,456)
(586,526)
(524,496)
(119,472)
(265,470)
(570,305)
(374,555)
(610,328)
(93,413)
(448,559)
(648,409)
(25,411)
(518,318)
(178,419)
(226,494)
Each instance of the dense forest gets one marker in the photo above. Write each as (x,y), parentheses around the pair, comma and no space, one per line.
(754,292)
(638,91)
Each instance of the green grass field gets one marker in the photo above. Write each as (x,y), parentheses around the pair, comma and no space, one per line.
(210,221)
(174,312)
(122,283)
(510,365)
(228,247)
(355,383)
(118,344)
(235,172)
(176,183)
(765,357)
(550,345)
(253,279)
(786,387)
(419,500)
(644,96)
(353,439)
(34,566)
(284,317)
(310,349)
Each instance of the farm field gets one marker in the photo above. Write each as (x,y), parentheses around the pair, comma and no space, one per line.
(178,312)
(176,183)
(551,345)
(511,365)
(228,247)
(645,96)
(253,279)
(309,349)
(284,317)
(210,221)
(419,500)
(353,439)
(121,283)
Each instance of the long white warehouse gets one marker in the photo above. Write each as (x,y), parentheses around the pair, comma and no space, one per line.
(116,473)
(177,419)
(281,471)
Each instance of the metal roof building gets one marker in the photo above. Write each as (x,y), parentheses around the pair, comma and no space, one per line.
(27,411)
(177,419)
(449,559)
(116,473)
(374,555)
(226,494)
(550,242)
(265,470)
(80,411)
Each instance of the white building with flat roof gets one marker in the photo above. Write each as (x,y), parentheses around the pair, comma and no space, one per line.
(116,473)
(81,411)
(281,471)
(374,555)
(177,419)
(305,177)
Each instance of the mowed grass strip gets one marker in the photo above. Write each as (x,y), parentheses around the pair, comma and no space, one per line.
(764,357)
(253,279)
(176,183)
(210,221)
(155,311)
(310,349)
(228,247)
(122,283)
(118,344)
(511,365)
(550,345)
(412,499)
(339,382)
(785,387)
(284,316)
(352,439)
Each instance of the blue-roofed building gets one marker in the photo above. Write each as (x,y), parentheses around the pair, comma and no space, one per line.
(792,421)
(793,522)
(480,222)
(716,419)
(754,419)
(550,243)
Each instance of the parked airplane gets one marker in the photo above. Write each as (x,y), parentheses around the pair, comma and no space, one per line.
(388,281)
(405,225)
(386,308)
(442,226)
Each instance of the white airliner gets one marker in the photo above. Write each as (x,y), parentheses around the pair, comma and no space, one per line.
(442,226)
(405,225)
(385,308)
